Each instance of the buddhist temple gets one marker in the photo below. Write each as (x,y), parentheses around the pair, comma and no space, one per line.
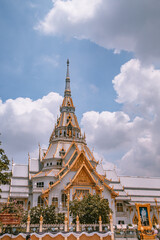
(68,170)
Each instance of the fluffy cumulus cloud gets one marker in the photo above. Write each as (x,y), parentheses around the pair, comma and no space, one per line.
(129,138)
(135,137)
(119,25)
(24,123)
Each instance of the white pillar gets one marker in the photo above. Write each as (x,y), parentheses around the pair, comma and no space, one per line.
(111,225)
(100,224)
(66,224)
(77,224)
(41,224)
(28,224)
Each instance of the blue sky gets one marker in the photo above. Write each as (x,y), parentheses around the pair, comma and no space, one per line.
(33,64)
(114,56)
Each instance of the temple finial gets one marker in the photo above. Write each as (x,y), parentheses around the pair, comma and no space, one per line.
(67,74)
(67,91)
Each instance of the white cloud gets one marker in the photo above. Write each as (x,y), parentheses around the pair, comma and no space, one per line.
(138,87)
(24,123)
(134,132)
(119,25)
(130,136)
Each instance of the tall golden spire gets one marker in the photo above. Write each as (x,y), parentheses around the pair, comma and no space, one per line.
(67,91)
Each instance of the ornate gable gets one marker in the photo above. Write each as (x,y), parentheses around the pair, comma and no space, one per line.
(79,161)
(83,177)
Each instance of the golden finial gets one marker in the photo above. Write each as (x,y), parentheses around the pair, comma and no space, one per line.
(100,218)
(77,218)
(41,218)
(28,218)
(110,216)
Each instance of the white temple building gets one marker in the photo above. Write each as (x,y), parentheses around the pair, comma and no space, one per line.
(68,170)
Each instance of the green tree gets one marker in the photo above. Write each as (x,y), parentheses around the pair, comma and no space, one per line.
(48,213)
(89,209)
(4,167)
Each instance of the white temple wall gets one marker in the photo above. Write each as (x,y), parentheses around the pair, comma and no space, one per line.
(57,190)
(35,199)
(107,194)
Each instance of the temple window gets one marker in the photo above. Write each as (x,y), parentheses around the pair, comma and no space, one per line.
(29,205)
(47,164)
(62,152)
(40,202)
(135,220)
(119,207)
(80,193)
(40,184)
(55,202)
(64,200)
(50,163)
(51,183)
(121,222)
(59,163)
(69,118)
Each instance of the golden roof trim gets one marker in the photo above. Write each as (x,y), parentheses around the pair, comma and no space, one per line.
(47,151)
(76,175)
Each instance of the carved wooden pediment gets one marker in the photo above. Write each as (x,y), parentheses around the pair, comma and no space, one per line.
(83,178)
(78,163)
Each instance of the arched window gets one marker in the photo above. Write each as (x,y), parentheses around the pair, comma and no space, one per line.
(135,219)
(119,207)
(64,200)
(29,205)
(40,202)
(55,202)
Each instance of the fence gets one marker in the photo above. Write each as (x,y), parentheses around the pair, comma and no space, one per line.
(70,232)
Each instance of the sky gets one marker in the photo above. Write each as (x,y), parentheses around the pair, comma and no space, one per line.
(114,52)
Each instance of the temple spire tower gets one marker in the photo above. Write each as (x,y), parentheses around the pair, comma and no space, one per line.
(67,127)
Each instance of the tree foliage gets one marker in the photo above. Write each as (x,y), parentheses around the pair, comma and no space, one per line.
(48,214)
(4,167)
(89,209)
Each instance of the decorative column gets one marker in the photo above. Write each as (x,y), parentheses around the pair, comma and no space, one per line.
(28,224)
(65,224)
(77,224)
(100,224)
(111,225)
(157,208)
(41,224)
(68,208)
